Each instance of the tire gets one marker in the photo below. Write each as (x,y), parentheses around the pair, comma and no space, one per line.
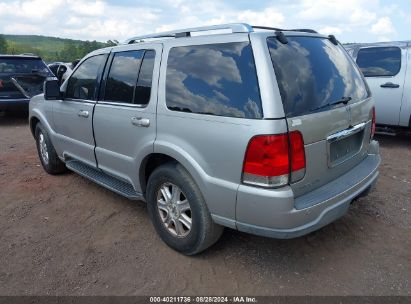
(203,232)
(48,156)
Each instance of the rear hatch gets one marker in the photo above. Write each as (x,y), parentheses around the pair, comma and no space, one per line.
(21,77)
(326,99)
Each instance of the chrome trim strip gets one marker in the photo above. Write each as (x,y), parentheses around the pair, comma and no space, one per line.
(234,27)
(123,104)
(346,133)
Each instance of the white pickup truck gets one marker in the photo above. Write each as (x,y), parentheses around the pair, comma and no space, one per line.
(384,66)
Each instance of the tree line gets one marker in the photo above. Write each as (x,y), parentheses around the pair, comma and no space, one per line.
(69,51)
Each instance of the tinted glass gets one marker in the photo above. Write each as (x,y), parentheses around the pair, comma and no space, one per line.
(23,66)
(313,73)
(53,68)
(379,61)
(215,79)
(122,77)
(82,83)
(145,78)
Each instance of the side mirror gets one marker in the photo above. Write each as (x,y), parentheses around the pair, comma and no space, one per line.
(52,89)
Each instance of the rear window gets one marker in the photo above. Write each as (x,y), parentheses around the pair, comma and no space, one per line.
(379,61)
(23,66)
(312,74)
(213,79)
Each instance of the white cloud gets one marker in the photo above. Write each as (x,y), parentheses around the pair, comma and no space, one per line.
(350,20)
(383,26)
(268,17)
(334,10)
(22,28)
(33,9)
(362,17)
(92,8)
(331,30)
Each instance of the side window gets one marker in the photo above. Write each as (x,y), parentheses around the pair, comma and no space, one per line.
(379,61)
(130,77)
(214,79)
(82,83)
(145,78)
(122,77)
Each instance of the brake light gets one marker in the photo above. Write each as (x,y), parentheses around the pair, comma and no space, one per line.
(269,158)
(373,123)
(297,151)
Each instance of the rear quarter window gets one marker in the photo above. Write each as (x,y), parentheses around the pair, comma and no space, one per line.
(379,61)
(312,73)
(22,65)
(213,79)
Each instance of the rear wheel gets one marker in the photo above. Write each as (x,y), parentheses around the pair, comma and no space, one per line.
(48,156)
(178,210)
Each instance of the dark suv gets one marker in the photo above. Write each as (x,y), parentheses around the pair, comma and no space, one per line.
(21,77)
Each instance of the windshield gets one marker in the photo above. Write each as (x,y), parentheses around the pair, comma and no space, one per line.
(313,74)
(23,66)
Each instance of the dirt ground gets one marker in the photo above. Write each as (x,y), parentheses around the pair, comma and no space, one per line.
(63,235)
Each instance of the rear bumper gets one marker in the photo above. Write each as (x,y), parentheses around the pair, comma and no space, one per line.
(273,213)
(14,104)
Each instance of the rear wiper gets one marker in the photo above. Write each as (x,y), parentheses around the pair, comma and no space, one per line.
(343,100)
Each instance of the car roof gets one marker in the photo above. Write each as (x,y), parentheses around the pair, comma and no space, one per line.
(20,56)
(207,31)
(384,43)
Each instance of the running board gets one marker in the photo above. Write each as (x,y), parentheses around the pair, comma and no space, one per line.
(120,187)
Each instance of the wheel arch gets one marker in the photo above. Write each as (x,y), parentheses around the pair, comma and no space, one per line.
(33,123)
(157,158)
(149,164)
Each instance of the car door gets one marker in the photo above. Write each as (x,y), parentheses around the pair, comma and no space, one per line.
(125,116)
(384,68)
(74,113)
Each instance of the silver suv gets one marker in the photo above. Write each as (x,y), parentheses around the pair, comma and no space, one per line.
(263,130)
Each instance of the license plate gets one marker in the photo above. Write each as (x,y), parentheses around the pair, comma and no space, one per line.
(344,147)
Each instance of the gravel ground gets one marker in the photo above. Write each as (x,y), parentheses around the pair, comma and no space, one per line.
(63,235)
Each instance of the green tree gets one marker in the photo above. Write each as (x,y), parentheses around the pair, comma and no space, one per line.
(112,43)
(3,45)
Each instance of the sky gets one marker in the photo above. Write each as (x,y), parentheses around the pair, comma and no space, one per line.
(348,20)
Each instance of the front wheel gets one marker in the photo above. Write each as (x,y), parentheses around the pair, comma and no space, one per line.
(48,156)
(178,210)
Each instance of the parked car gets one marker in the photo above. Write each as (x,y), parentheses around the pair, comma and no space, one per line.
(21,77)
(266,131)
(384,66)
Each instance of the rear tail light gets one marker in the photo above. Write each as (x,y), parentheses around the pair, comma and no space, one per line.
(270,159)
(373,123)
(297,151)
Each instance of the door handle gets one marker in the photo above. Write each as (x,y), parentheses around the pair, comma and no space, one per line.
(83,113)
(140,122)
(390,85)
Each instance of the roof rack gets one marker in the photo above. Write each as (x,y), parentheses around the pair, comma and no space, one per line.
(284,30)
(234,27)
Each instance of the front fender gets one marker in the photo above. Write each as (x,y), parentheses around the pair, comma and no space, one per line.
(41,111)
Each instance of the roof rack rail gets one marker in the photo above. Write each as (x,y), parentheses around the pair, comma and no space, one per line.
(234,27)
(267,28)
(284,30)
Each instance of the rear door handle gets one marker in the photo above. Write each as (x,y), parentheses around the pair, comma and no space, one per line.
(390,85)
(83,113)
(140,122)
